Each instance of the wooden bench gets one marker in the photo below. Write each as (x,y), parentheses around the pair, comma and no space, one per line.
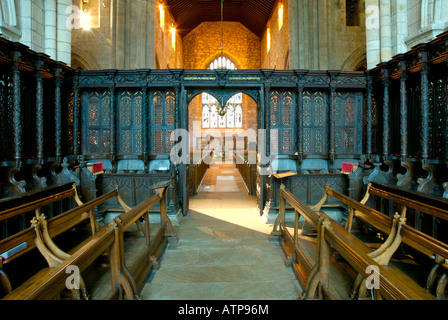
(331,236)
(421,205)
(125,281)
(42,232)
(397,231)
(28,202)
(23,207)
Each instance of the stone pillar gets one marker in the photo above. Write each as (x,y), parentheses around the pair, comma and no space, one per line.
(385,30)
(372,33)
(401,23)
(50,42)
(64,33)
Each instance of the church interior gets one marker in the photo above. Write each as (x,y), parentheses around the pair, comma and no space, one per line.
(224,150)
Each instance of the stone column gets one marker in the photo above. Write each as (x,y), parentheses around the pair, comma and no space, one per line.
(385,30)
(372,33)
(401,25)
(50,42)
(64,33)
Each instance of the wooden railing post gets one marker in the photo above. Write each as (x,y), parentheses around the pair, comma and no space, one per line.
(165,221)
(122,276)
(280,220)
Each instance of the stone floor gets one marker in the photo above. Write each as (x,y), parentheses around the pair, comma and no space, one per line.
(223,251)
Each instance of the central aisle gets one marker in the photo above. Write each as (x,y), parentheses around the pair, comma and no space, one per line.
(223,250)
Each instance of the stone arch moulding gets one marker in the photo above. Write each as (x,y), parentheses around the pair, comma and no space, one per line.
(356,59)
(218,54)
(84,58)
(9,26)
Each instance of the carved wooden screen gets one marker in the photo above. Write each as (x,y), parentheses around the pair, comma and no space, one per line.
(282,121)
(162,121)
(314,123)
(70,116)
(438,114)
(6,115)
(130,118)
(29,120)
(414,113)
(97,123)
(348,117)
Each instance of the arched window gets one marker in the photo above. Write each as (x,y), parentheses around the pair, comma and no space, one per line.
(205,116)
(238,116)
(233,116)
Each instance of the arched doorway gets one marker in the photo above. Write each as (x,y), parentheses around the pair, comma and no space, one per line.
(222,132)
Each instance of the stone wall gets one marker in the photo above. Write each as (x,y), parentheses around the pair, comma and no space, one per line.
(394,27)
(319,37)
(202,45)
(129,36)
(42,25)
(277,57)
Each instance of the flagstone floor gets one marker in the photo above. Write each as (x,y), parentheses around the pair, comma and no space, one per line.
(223,252)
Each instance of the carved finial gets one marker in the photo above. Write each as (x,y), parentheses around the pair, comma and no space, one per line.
(327,224)
(34,222)
(282,187)
(112,225)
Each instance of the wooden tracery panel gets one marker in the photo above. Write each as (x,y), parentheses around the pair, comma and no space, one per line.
(315,119)
(6,114)
(282,122)
(348,117)
(163,115)
(130,122)
(97,123)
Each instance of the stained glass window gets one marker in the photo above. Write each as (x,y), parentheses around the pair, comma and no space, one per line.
(206,116)
(213,117)
(233,117)
(238,116)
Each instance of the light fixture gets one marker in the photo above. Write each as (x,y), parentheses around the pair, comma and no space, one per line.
(280,15)
(173,36)
(268,40)
(162,15)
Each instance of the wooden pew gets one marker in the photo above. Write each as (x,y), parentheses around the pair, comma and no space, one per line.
(398,232)
(320,280)
(25,205)
(110,238)
(42,232)
(433,207)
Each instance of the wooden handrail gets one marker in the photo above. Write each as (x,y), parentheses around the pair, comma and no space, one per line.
(129,218)
(56,226)
(52,283)
(111,236)
(27,207)
(331,234)
(411,236)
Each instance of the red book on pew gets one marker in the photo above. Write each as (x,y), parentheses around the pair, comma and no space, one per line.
(95,168)
(347,167)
